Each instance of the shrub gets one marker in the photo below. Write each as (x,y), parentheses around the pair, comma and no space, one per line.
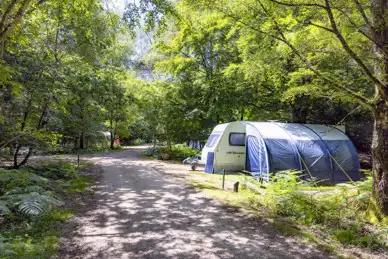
(176,152)
(138,142)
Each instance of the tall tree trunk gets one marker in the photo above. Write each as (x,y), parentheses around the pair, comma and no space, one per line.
(22,127)
(380,156)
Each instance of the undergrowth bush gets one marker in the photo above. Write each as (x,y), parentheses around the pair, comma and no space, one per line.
(176,152)
(346,213)
(31,206)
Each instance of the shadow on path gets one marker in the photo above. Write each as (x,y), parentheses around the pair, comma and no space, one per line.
(138,213)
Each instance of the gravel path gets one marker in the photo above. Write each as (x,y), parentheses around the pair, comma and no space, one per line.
(140,211)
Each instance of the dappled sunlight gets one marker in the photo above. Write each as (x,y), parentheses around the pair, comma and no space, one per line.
(139,212)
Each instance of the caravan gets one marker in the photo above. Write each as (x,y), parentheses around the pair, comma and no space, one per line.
(225,148)
(321,152)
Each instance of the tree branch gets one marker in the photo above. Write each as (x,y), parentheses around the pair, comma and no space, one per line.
(356,95)
(355,25)
(362,12)
(15,20)
(297,4)
(7,13)
(321,27)
(347,48)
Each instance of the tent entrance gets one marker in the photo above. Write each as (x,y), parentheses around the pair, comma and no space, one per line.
(256,157)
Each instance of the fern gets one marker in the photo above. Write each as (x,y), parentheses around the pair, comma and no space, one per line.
(7,175)
(32,204)
(36,204)
(6,249)
(26,189)
(37,179)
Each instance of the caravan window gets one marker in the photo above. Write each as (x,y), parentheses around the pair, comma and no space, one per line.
(237,139)
(212,140)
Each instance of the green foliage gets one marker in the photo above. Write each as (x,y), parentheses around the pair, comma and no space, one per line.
(176,152)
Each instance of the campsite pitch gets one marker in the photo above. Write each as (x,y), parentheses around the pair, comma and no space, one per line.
(143,209)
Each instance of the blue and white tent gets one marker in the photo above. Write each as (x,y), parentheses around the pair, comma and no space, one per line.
(322,152)
(319,151)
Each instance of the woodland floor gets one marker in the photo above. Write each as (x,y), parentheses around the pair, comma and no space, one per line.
(143,209)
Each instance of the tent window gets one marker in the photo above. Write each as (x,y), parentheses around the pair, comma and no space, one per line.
(212,140)
(237,139)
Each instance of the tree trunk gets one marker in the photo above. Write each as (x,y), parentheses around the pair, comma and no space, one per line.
(25,158)
(15,156)
(112,140)
(112,135)
(81,140)
(379,29)
(380,156)
(76,142)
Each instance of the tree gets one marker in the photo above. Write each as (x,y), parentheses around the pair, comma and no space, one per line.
(50,60)
(115,100)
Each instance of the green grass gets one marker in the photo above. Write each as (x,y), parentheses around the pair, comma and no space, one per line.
(37,236)
(333,217)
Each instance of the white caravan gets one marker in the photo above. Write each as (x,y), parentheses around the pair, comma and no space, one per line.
(227,141)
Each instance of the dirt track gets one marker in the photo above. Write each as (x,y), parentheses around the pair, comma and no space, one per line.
(140,210)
